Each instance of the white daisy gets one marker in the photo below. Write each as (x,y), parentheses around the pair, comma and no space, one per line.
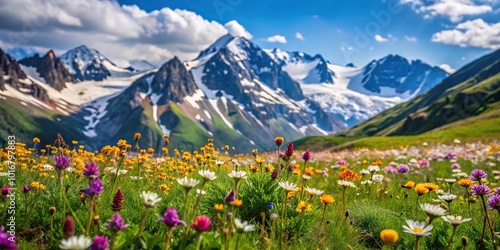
(378,178)
(366,182)
(150,199)
(455,220)
(346,183)
(364,172)
(447,197)
(80,242)
(373,168)
(238,174)
(207,175)
(432,210)
(288,186)
(201,191)
(417,228)
(450,180)
(314,191)
(188,182)
(242,227)
(219,162)
(306,177)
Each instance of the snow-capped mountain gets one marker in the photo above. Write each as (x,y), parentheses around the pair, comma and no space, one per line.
(141,65)
(303,67)
(86,63)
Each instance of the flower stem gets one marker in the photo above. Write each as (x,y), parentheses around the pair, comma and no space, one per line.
(112,241)
(418,242)
(91,211)
(283,221)
(143,221)
(169,237)
(451,237)
(198,245)
(487,220)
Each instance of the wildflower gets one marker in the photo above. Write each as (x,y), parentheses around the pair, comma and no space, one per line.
(466,183)
(76,243)
(347,213)
(494,202)
(100,243)
(62,162)
(188,183)
(207,175)
(303,207)
(238,175)
(403,168)
(450,180)
(455,165)
(274,174)
(171,218)
(349,175)
(242,227)
(378,178)
(5,242)
(6,190)
(432,210)
(409,185)
(218,207)
(288,186)
(480,190)
(52,210)
(279,140)
(364,172)
(455,220)
(91,170)
(201,223)
(150,199)
(37,185)
(373,168)
(346,183)
(306,156)
(417,228)
(431,186)
(477,175)
(389,236)
(200,191)
(95,188)
(274,216)
(314,191)
(421,189)
(447,197)
(327,199)
(288,152)
(68,227)
(237,203)
(26,189)
(290,195)
(137,136)
(231,196)
(116,223)
(117,203)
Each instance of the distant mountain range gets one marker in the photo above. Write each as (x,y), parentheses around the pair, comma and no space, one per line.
(234,91)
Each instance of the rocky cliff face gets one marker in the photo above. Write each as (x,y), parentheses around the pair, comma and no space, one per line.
(50,68)
(173,82)
(10,70)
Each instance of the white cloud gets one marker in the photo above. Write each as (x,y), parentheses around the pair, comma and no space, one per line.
(235,29)
(476,33)
(455,10)
(410,39)
(121,32)
(276,39)
(380,38)
(447,68)
(299,36)
(346,48)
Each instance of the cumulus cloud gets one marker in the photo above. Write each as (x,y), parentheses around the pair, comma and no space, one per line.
(235,29)
(380,38)
(476,33)
(410,39)
(118,31)
(299,36)
(455,10)
(276,39)
(447,68)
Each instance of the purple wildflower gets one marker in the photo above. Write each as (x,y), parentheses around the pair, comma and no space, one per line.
(455,165)
(306,156)
(6,190)
(100,243)
(347,213)
(171,219)
(91,170)
(497,191)
(201,223)
(26,189)
(403,168)
(390,169)
(274,174)
(288,152)
(230,197)
(477,174)
(68,227)
(95,188)
(480,189)
(424,162)
(494,202)
(116,223)
(341,162)
(62,162)
(6,241)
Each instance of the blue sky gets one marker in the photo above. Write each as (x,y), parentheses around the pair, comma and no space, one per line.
(451,32)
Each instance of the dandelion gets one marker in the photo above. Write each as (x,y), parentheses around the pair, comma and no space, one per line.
(80,242)
(419,229)
(389,236)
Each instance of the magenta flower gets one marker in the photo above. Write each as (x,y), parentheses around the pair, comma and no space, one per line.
(26,189)
(62,162)
(201,224)
(91,170)
(68,227)
(171,218)
(100,243)
(497,191)
(288,152)
(230,197)
(480,190)
(403,168)
(306,156)
(5,242)
(390,169)
(116,223)
(6,190)
(424,162)
(95,188)
(455,165)
(494,202)
(274,174)
(477,174)
(341,162)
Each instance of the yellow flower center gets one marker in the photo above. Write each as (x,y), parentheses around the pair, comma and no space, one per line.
(417,229)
